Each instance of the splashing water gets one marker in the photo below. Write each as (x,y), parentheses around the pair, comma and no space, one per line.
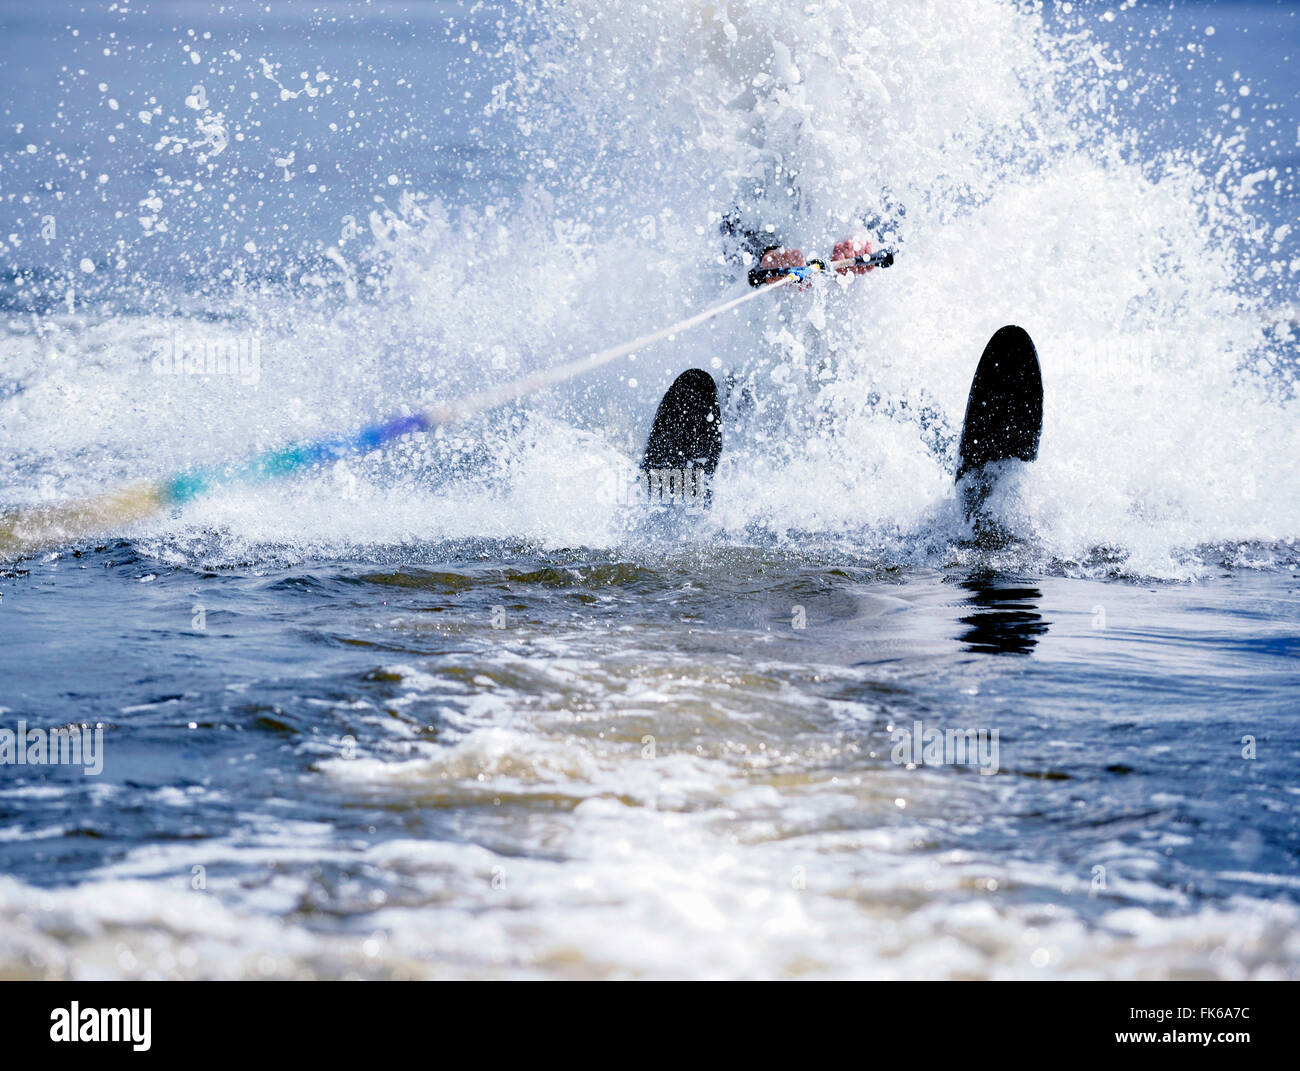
(476,719)
(973,140)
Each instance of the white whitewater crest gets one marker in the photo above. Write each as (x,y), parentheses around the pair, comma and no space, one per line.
(973,135)
(1163,429)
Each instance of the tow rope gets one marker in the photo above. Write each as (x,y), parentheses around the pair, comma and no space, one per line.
(33,528)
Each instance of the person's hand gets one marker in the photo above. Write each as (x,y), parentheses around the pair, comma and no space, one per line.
(781,258)
(845,250)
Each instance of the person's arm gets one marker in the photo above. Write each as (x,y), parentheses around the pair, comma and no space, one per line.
(745,245)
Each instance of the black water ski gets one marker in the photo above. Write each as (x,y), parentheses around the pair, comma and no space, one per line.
(1004,414)
(685,441)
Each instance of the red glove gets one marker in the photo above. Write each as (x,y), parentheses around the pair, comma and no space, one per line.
(846,249)
(780,257)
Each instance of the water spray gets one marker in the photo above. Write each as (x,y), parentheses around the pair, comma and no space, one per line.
(33,528)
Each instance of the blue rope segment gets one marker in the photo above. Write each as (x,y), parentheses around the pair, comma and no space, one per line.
(178,490)
(803,272)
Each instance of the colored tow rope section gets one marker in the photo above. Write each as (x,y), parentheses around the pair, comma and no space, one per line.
(33,528)
(178,490)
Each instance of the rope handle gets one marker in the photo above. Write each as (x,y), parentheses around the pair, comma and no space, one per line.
(759,276)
